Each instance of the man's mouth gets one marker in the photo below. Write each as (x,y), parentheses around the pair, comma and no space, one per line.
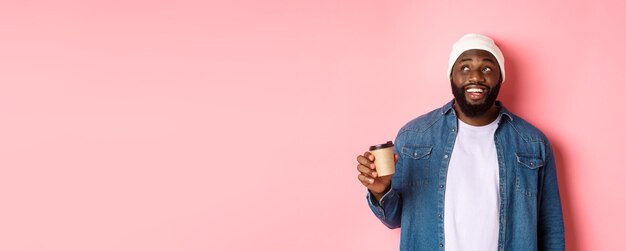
(474,92)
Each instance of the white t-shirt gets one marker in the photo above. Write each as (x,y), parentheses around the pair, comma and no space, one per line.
(472,200)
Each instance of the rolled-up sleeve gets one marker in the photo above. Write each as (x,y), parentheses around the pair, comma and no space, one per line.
(389,209)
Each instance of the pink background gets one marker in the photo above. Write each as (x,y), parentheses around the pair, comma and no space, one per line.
(194,125)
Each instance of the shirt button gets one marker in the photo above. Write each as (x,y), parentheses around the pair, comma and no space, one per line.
(440,245)
(415,155)
(445,156)
(440,186)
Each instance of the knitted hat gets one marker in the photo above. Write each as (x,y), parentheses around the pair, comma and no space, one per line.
(475,41)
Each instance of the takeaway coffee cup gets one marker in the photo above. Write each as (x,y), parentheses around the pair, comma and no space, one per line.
(384,158)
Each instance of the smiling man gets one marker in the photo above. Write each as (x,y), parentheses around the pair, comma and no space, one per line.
(470,175)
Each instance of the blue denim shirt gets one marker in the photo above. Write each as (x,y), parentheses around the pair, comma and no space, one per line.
(530,206)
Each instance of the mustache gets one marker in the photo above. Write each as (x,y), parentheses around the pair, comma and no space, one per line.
(481,84)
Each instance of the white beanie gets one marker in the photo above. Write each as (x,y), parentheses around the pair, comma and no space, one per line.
(475,41)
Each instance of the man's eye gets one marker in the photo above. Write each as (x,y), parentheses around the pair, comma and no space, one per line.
(465,68)
(487,69)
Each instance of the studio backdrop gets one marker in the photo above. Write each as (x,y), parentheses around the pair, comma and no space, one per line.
(235,125)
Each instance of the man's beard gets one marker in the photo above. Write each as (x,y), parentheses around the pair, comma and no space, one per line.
(477,110)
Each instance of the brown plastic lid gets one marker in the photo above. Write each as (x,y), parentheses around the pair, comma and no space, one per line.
(381,146)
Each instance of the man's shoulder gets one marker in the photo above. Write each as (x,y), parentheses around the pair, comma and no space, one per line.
(426,121)
(525,129)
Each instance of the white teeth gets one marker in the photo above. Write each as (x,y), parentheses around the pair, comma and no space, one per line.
(475,90)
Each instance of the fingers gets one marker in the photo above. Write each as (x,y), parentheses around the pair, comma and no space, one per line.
(395,158)
(367,160)
(364,180)
(369,156)
(367,169)
(368,172)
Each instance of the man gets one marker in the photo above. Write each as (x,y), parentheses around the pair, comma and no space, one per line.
(470,175)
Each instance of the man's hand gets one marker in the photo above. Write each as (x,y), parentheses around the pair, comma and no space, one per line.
(369,177)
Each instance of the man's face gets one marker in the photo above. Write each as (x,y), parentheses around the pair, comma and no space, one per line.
(475,82)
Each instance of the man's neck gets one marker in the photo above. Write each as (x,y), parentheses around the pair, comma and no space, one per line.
(485,119)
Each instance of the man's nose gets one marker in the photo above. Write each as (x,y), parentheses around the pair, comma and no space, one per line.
(476,76)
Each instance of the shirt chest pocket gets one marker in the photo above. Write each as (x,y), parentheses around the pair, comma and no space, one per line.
(527,173)
(416,166)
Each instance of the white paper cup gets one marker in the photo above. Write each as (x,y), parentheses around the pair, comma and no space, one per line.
(384,158)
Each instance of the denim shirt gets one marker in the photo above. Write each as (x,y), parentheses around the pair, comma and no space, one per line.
(530,206)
